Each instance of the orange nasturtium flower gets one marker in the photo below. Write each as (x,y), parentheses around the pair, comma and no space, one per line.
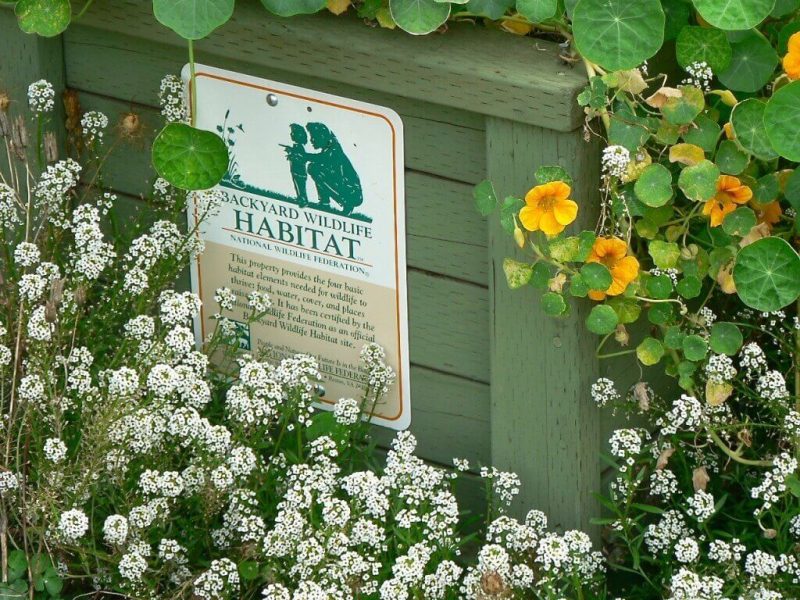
(613,253)
(549,208)
(791,62)
(730,193)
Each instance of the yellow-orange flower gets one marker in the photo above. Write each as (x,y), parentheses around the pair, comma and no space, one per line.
(769,213)
(613,253)
(791,62)
(730,193)
(549,208)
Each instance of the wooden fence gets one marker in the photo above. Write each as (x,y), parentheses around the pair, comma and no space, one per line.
(493,379)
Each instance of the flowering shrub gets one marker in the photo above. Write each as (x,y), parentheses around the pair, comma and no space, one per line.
(692,268)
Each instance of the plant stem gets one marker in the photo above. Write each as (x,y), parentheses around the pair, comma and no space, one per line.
(192,84)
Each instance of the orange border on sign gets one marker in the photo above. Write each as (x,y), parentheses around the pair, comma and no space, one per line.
(394,192)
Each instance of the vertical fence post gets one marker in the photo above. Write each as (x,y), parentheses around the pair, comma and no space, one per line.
(544,426)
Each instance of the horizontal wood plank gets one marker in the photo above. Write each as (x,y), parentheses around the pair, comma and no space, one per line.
(469,68)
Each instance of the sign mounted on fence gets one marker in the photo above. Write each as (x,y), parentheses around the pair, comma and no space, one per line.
(313,213)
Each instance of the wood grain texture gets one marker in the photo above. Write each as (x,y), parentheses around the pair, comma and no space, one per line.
(495,73)
(544,426)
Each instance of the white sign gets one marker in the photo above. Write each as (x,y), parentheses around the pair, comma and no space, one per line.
(313,214)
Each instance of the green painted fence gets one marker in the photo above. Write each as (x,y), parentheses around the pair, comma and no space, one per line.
(493,379)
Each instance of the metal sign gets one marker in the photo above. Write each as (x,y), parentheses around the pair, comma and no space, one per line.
(312,214)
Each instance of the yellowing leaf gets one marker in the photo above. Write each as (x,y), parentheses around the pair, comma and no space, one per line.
(641,160)
(337,7)
(384,18)
(686,154)
(717,393)
(631,81)
(516,27)
(756,233)
(725,279)
(728,129)
(700,478)
(661,96)
(727,97)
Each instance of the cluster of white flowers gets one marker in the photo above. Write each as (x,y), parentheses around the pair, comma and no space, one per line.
(347,411)
(700,75)
(259,302)
(604,391)
(772,386)
(225,298)
(774,483)
(93,126)
(687,413)
(663,483)
(615,160)
(752,359)
(163,241)
(720,369)
(9,214)
(172,100)
(90,254)
(41,96)
(505,484)
(700,506)
(688,585)
(660,537)
(55,184)
(55,450)
(380,376)
(72,525)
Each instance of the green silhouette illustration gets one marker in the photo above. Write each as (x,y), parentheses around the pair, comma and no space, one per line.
(336,180)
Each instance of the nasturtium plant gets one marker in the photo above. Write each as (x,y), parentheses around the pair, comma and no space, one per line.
(734,15)
(782,121)
(767,274)
(193,19)
(190,158)
(47,18)
(290,8)
(747,123)
(419,16)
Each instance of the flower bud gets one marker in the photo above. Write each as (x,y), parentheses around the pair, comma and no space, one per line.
(519,236)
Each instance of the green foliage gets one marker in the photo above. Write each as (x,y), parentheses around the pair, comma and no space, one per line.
(699,182)
(47,18)
(419,16)
(734,15)
(747,120)
(290,8)
(782,121)
(537,11)
(190,158)
(726,338)
(752,63)
(654,186)
(767,274)
(193,19)
(703,44)
(485,197)
(602,320)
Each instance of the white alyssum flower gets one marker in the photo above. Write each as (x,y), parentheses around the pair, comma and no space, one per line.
(258,301)
(93,124)
(604,392)
(72,525)
(700,506)
(26,254)
(346,411)
(132,566)
(115,530)
(615,160)
(41,96)
(55,450)
(171,99)
(225,298)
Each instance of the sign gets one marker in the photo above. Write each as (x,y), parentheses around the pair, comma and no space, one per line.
(313,215)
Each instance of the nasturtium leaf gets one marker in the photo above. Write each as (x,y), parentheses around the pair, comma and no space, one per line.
(485,197)
(785,33)
(725,338)
(665,255)
(739,222)
(578,287)
(537,11)
(747,120)
(540,275)
(782,121)
(703,44)
(548,173)
(704,132)
(646,229)
(419,16)
(689,287)
(694,347)
(508,209)
(658,215)
(618,34)
(686,154)
(792,189)
(667,133)
(564,249)
(660,313)
(654,186)
(628,131)
(682,110)
(46,18)
(784,7)
(517,273)
(189,158)
(594,94)
(248,569)
(730,158)
(627,309)
(673,337)
(290,8)
(596,276)
(193,19)
(734,15)
(752,63)
(586,240)
(677,14)
(650,351)
(699,182)
(553,304)
(659,287)
(494,9)
(767,274)
(766,188)
(602,320)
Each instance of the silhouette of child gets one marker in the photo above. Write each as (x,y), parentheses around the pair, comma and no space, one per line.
(298,161)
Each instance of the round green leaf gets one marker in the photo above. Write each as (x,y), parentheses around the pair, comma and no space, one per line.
(767,274)
(47,18)
(660,313)
(747,120)
(602,320)
(689,287)
(730,159)
(659,286)
(650,351)
(694,347)
(699,182)
(766,189)
(784,7)
(704,132)
(782,121)
(726,338)
(618,34)
(677,13)
(683,110)
(734,15)
(792,189)
(673,337)
(752,63)
(596,276)
(654,186)
(193,19)
(290,8)
(494,9)
(703,44)
(189,158)
(548,173)
(517,273)
(665,255)
(739,222)
(419,16)
(537,11)
(627,309)
(553,304)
